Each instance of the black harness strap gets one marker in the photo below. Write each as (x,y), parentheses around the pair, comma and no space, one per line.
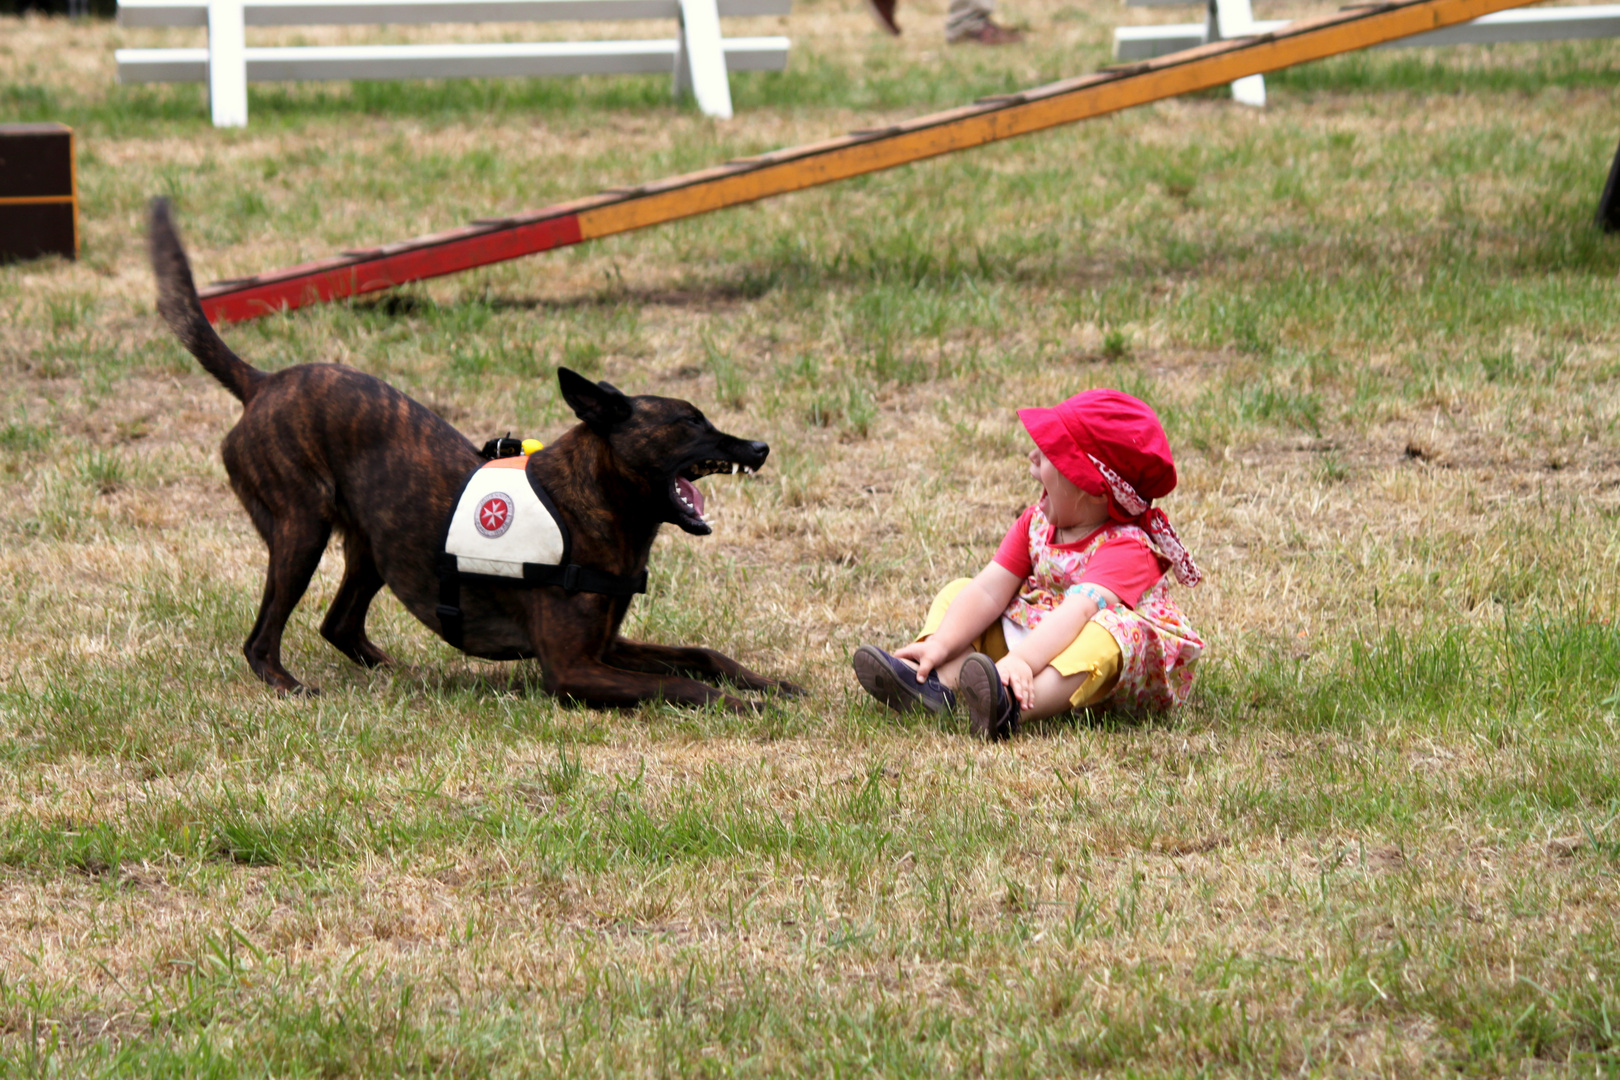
(449,609)
(576,579)
(571,578)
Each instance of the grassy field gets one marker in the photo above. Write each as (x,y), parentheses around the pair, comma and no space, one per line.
(1381,839)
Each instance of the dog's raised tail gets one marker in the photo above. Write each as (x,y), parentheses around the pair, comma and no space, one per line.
(180,308)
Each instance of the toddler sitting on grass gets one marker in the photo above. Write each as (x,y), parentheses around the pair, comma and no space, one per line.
(1074,610)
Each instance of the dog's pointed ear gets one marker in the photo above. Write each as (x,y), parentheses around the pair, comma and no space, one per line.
(600,405)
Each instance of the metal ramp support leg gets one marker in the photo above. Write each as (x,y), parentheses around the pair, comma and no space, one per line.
(1608,212)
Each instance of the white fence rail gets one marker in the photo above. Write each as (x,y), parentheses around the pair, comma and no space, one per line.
(1525,24)
(698,57)
(135,13)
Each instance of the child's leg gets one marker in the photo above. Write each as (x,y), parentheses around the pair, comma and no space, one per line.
(992,642)
(1054,692)
(1083,674)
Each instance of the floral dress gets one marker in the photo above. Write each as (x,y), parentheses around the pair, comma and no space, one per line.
(1159,648)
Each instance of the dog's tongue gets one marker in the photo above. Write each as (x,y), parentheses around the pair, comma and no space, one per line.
(690,493)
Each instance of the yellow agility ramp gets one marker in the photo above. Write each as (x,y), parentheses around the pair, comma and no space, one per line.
(795,168)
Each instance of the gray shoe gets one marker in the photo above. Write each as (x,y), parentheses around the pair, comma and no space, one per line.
(894,682)
(993,712)
(987,33)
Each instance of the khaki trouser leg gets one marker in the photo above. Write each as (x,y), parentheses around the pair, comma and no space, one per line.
(1096,653)
(993,643)
(967,15)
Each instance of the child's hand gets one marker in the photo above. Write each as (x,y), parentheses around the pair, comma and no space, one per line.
(925,654)
(1020,679)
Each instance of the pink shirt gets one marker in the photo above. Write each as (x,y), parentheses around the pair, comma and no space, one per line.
(1124,565)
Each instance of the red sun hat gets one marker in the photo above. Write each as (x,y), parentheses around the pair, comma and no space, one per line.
(1109,443)
(1120,431)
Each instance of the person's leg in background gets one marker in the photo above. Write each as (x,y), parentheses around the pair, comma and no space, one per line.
(968,20)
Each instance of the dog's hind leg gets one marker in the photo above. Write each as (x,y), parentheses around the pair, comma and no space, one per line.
(691,660)
(345,622)
(295,551)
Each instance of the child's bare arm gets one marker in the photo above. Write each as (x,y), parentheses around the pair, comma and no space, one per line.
(969,615)
(1055,633)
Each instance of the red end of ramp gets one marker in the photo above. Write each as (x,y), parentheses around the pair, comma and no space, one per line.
(357,272)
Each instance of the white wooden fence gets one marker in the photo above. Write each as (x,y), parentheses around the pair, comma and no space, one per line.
(698,58)
(1233,18)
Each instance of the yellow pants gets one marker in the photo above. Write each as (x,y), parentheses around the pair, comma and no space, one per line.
(1095,651)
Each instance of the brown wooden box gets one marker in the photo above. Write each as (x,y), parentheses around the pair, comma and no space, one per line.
(39,192)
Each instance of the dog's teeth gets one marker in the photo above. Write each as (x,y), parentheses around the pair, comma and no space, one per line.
(747,471)
(735,466)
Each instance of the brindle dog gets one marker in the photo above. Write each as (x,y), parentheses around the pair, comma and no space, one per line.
(322,447)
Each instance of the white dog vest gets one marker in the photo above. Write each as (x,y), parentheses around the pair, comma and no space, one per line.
(501,524)
(505,529)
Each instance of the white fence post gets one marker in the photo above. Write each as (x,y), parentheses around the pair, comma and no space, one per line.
(705,56)
(702,60)
(227,63)
(1231,19)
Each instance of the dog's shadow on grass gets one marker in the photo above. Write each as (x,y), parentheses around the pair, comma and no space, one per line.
(466,686)
(429,680)
(468,680)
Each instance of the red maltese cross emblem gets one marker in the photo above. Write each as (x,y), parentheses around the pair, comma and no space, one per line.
(494,515)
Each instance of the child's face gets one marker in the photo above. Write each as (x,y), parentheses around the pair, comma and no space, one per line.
(1065,504)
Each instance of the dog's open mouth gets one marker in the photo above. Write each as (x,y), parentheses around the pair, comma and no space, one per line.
(686,497)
